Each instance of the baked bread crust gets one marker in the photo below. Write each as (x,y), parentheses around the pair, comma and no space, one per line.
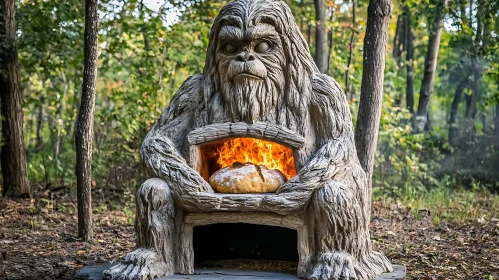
(246,178)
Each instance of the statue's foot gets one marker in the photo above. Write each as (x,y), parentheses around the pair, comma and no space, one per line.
(141,264)
(334,265)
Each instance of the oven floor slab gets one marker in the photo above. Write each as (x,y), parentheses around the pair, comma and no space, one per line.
(95,273)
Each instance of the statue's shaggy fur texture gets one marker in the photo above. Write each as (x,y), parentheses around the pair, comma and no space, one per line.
(330,186)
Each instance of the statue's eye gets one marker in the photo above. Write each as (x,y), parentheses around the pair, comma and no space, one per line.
(230,48)
(262,47)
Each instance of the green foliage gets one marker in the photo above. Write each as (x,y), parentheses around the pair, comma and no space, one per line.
(144,56)
(405,162)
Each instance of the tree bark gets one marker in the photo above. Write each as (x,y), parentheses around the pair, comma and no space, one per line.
(476,69)
(409,49)
(430,66)
(13,156)
(453,110)
(39,125)
(480,43)
(321,49)
(477,76)
(396,38)
(330,40)
(352,45)
(366,130)
(309,34)
(400,44)
(302,15)
(496,123)
(84,131)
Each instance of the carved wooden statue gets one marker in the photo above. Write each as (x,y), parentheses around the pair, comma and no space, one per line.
(259,81)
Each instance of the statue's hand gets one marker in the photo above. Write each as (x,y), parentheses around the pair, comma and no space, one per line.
(307,179)
(290,185)
(204,186)
(184,178)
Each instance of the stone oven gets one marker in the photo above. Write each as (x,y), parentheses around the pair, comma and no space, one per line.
(259,84)
(248,234)
(212,152)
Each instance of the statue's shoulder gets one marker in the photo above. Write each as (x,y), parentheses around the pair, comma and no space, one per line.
(325,85)
(185,99)
(188,91)
(330,104)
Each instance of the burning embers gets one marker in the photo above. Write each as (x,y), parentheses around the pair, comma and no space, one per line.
(247,165)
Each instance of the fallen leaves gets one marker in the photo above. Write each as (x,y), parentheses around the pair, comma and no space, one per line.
(37,244)
(450,251)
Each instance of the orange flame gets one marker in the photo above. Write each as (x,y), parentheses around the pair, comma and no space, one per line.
(260,152)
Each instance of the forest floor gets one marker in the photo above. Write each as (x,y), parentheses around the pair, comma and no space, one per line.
(38,238)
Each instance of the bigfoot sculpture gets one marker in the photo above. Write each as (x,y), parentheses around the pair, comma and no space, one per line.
(258,71)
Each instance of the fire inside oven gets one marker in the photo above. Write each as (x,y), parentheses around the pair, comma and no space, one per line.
(264,157)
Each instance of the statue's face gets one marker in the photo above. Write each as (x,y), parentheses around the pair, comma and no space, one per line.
(250,62)
(249,53)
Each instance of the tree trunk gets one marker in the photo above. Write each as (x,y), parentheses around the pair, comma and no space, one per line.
(309,35)
(477,76)
(453,110)
(84,131)
(58,125)
(330,40)
(366,130)
(347,74)
(142,7)
(471,105)
(400,44)
(39,125)
(321,49)
(75,106)
(496,123)
(468,106)
(302,15)
(13,156)
(430,66)
(396,38)
(480,50)
(409,49)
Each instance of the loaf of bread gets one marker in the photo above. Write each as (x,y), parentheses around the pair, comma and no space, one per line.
(246,178)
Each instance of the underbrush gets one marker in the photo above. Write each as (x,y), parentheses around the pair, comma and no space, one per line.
(446,205)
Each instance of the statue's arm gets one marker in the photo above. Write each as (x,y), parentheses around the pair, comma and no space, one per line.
(162,145)
(335,163)
(332,124)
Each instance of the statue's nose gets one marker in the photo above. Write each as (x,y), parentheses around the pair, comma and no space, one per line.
(245,57)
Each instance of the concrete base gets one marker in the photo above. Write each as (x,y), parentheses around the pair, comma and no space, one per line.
(95,273)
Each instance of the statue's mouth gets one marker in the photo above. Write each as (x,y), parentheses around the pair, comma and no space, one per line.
(246,75)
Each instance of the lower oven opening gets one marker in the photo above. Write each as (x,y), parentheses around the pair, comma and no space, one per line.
(246,246)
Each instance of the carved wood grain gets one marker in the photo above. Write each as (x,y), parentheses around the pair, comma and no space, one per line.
(261,130)
(268,219)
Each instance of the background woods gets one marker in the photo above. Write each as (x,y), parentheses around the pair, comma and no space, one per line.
(435,175)
(146,49)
